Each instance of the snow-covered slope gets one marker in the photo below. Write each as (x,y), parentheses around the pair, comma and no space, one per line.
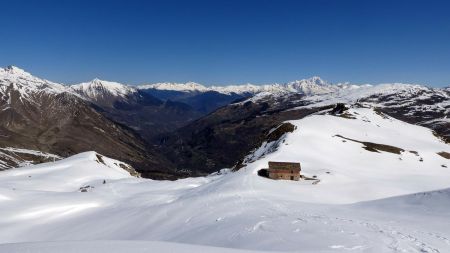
(86,168)
(429,107)
(15,79)
(359,205)
(361,156)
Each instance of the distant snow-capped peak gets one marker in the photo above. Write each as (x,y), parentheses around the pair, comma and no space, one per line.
(99,87)
(184,87)
(311,85)
(25,82)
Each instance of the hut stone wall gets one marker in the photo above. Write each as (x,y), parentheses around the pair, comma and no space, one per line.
(284,170)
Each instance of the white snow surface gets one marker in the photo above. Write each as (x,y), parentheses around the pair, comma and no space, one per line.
(368,202)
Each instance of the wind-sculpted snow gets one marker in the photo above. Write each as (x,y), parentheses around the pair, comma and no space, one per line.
(360,200)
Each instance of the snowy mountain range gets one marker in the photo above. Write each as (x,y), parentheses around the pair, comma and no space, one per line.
(100,88)
(314,85)
(184,120)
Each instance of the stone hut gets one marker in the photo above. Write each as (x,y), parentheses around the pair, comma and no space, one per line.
(284,170)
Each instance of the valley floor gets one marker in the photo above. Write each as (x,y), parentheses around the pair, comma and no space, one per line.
(365,201)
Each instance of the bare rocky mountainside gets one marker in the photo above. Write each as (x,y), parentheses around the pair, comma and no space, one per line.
(39,115)
(169,130)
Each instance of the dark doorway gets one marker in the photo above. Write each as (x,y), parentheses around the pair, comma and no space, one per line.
(263,173)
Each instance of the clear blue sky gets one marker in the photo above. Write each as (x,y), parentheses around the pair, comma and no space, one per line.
(226,42)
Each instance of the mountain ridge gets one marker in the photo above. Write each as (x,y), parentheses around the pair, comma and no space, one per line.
(184,131)
(309,86)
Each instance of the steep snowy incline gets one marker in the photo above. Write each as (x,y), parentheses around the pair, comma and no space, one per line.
(359,156)
(346,210)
